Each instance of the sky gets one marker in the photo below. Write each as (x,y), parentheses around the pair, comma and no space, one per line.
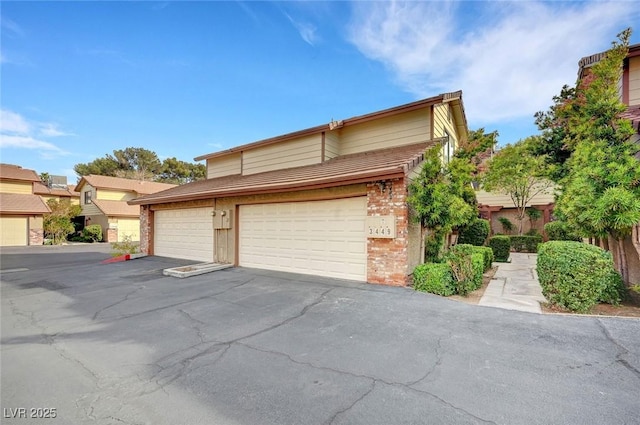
(79,80)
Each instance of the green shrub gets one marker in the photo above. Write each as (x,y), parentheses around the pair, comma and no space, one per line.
(92,233)
(127,246)
(501,245)
(435,278)
(560,231)
(525,243)
(463,248)
(475,233)
(576,276)
(532,232)
(477,261)
(487,255)
(462,270)
(507,225)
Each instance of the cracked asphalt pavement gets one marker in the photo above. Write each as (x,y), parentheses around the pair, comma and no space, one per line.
(123,344)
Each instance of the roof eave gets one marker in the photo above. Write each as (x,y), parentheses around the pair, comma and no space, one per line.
(392,173)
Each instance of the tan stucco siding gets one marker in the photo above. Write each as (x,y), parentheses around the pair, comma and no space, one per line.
(405,129)
(224,166)
(16,187)
(128,227)
(331,144)
(634,80)
(115,195)
(295,153)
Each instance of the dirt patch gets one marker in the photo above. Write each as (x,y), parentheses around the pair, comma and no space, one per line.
(625,309)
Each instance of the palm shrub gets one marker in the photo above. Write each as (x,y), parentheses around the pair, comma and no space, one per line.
(507,225)
(576,276)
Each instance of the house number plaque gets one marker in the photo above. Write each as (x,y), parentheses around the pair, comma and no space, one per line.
(383,226)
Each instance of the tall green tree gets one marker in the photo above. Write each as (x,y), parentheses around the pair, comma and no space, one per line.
(516,172)
(601,190)
(179,172)
(57,224)
(436,196)
(142,164)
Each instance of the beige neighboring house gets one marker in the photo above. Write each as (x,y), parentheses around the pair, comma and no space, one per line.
(329,200)
(57,191)
(494,205)
(21,211)
(104,201)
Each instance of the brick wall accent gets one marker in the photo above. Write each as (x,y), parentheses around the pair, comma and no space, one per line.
(387,259)
(36,236)
(146,230)
(112,235)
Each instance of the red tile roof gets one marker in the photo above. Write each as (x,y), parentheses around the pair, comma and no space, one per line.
(117,208)
(342,170)
(118,183)
(15,172)
(18,203)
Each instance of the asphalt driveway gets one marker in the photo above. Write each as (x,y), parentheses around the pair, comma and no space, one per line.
(122,344)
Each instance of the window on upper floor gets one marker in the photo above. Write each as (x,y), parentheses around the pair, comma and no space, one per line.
(87,197)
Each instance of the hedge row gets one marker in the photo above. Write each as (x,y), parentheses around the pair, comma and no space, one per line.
(525,243)
(577,276)
(460,273)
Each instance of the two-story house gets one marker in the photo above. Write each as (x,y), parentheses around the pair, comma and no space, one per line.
(629,89)
(57,188)
(330,200)
(21,211)
(104,201)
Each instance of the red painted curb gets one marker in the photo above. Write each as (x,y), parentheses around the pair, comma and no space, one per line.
(117,259)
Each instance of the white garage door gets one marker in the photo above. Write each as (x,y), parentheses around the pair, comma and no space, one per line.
(184,233)
(13,231)
(324,238)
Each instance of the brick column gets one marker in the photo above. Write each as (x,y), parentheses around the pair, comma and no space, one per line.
(387,259)
(146,230)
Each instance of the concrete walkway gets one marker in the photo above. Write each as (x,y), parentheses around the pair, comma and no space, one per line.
(515,285)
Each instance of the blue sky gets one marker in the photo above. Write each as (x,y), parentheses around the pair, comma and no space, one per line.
(80,79)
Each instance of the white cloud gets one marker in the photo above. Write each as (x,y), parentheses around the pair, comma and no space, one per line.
(307,31)
(52,130)
(509,63)
(16,132)
(10,122)
(11,27)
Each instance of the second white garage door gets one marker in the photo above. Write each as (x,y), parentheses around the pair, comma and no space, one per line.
(324,238)
(184,233)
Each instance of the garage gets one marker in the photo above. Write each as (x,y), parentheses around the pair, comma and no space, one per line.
(128,227)
(324,238)
(184,233)
(13,231)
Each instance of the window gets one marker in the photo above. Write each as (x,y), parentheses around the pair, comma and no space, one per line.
(87,197)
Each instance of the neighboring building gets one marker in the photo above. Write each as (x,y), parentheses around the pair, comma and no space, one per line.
(629,87)
(58,189)
(104,201)
(21,211)
(493,206)
(329,200)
